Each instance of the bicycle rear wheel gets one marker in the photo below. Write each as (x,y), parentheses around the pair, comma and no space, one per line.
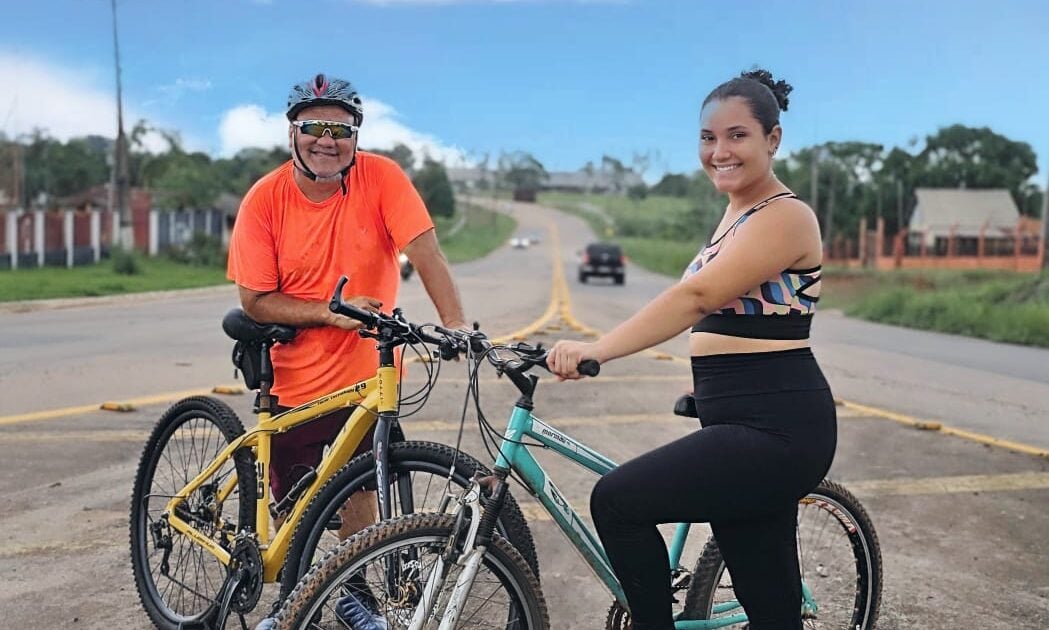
(840,564)
(178,581)
(418,484)
(386,566)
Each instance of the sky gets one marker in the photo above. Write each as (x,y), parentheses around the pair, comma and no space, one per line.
(566,80)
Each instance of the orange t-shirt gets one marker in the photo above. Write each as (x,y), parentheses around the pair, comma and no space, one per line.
(284,242)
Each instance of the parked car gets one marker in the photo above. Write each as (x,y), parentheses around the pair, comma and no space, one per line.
(602,259)
(406,267)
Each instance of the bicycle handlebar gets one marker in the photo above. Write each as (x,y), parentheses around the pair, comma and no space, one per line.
(451,342)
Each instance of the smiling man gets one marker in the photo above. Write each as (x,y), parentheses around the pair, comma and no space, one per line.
(330,211)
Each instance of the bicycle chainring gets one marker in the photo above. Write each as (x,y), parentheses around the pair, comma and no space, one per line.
(246,556)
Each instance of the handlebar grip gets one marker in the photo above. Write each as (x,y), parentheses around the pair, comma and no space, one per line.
(337,306)
(589,367)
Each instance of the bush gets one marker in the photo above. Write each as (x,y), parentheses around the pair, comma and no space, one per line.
(203,250)
(125,261)
(435,189)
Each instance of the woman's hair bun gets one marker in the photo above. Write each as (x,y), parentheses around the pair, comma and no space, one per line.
(780,89)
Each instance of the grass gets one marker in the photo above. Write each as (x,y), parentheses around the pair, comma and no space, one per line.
(483,231)
(661,234)
(1000,306)
(156,274)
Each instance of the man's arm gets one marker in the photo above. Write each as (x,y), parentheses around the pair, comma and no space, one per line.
(278,308)
(426,256)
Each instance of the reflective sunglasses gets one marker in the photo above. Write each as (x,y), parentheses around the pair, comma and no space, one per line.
(317,128)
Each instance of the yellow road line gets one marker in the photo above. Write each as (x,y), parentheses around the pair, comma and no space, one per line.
(939,427)
(951,485)
(51,414)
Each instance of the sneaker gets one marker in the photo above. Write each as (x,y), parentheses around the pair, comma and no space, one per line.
(351,611)
(266,624)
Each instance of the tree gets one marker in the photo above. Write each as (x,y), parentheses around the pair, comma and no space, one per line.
(672,185)
(58,169)
(616,171)
(435,189)
(188,180)
(400,153)
(970,157)
(522,171)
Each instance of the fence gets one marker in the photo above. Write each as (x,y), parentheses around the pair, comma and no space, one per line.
(1021,249)
(68,237)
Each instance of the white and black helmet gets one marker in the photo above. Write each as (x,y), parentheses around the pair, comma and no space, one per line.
(324,90)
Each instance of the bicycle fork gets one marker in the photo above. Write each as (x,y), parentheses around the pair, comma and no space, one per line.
(478,535)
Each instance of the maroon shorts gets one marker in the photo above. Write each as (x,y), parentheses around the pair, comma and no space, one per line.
(301,449)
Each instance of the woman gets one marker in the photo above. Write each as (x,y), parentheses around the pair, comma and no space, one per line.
(769,425)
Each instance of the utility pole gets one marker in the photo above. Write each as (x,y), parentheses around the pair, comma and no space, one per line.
(18,174)
(1045,226)
(127,233)
(814,180)
(899,205)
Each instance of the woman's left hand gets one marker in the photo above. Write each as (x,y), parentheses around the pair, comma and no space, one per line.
(564,357)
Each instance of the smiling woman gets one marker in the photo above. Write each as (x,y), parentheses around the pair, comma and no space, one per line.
(769,425)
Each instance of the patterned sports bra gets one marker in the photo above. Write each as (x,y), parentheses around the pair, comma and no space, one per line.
(779,308)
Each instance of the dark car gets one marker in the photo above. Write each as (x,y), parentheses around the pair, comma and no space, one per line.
(602,259)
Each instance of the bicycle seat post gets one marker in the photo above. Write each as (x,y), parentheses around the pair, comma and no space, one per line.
(266,403)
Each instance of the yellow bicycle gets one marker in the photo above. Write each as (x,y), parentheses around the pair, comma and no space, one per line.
(201,515)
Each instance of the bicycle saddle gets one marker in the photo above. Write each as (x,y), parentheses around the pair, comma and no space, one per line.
(239,326)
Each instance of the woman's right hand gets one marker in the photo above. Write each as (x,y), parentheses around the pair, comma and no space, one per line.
(564,357)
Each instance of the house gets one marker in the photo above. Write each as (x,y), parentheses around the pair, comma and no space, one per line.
(966,217)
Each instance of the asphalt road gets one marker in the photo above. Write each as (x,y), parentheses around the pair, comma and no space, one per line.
(964,526)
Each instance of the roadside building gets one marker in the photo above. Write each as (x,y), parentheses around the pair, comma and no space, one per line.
(964,222)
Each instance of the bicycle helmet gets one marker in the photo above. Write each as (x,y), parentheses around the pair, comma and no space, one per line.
(323,90)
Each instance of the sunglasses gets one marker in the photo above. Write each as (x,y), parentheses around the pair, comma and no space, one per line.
(317,128)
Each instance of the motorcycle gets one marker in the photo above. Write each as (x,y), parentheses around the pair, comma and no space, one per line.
(406,267)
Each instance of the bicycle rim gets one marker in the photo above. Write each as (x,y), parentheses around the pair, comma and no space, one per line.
(187,591)
(840,566)
(386,567)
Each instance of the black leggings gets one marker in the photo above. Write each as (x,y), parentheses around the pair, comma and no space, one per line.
(768,437)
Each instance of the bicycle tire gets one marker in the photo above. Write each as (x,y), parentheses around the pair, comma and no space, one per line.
(200,415)
(406,536)
(838,508)
(412,457)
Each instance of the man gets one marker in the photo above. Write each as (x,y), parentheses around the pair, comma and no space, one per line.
(330,211)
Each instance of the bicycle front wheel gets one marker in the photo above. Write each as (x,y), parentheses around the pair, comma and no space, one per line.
(840,566)
(383,569)
(178,581)
(418,484)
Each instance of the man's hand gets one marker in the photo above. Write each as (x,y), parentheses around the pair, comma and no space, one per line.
(362,302)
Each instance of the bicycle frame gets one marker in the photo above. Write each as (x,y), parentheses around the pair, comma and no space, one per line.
(374,397)
(515,455)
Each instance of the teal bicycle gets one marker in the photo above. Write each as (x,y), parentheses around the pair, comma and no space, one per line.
(451,570)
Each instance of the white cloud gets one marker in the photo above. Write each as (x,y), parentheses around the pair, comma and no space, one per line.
(383,130)
(252,126)
(183,85)
(66,102)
